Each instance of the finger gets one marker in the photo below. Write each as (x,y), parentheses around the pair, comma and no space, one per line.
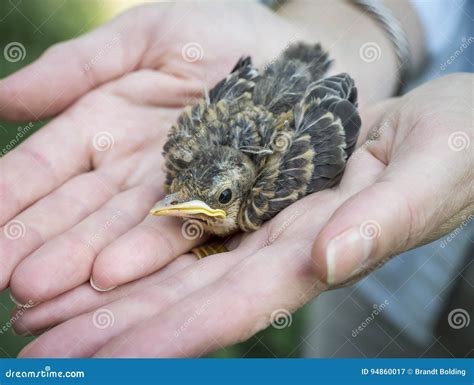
(376,118)
(268,271)
(52,215)
(41,164)
(156,88)
(84,299)
(276,266)
(157,241)
(70,69)
(66,261)
(228,311)
(132,310)
(395,213)
(153,243)
(279,276)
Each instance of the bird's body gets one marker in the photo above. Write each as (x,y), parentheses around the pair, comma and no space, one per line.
(260,141)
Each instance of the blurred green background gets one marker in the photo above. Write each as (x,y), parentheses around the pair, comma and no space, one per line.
(37,24)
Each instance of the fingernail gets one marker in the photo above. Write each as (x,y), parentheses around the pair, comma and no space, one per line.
(28,305)
(99,289)
(346,255)
(24,334)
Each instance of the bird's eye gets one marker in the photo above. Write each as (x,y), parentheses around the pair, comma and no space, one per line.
(225,196)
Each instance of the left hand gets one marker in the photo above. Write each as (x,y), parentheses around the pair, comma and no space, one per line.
(412,163)
(75,196)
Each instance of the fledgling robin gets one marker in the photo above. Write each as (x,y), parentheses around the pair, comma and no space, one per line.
(259,141)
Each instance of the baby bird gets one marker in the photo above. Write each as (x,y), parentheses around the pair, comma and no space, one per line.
(259,141)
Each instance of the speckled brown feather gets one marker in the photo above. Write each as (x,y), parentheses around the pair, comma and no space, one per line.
(243,122)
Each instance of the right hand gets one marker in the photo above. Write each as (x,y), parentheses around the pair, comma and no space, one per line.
(414,152)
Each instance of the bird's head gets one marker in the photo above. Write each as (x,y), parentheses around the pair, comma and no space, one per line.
(211,190)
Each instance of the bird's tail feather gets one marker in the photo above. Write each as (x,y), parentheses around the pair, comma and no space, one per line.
(310,55)
(284,81)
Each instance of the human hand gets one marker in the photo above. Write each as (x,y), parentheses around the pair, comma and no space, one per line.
(130,76)
(228,297)
(80,189)
(191,307)
(425,187)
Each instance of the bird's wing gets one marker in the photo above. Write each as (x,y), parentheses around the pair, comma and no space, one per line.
(311,145)
(240,81)
(207,122)
(338,95)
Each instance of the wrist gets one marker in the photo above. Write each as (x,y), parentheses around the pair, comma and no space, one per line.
(355,41)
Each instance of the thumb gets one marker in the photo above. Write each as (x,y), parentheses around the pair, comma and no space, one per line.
(402,209)
(365,231)
(68,70)
(422,193)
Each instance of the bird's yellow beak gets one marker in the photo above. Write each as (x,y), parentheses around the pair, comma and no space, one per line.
(170,206)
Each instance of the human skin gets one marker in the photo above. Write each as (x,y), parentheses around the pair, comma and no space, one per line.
(140,86)
(414,154)
(128,77)
(358,43)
